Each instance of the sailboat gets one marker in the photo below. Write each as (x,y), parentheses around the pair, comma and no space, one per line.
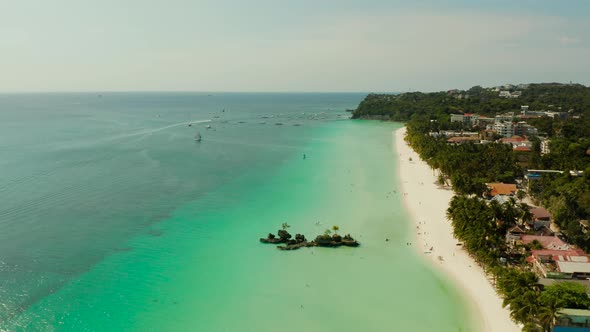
(197,137)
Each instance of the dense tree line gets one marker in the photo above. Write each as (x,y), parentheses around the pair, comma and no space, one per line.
(401,107)
(468,166)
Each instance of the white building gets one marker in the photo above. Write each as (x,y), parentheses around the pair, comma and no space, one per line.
(545,146)
(504,129)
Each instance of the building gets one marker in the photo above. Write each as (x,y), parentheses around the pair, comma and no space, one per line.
(577,267)
(463,139)
(514,234)
(523,149)
(541,217)
(457,118)
(506,117)
(571,264)
(548,242)
(504,129)
(469,120)
(545,146)
(524,129)
(531,114)
(572,320)
(518,142)
(499,188)
(508,94)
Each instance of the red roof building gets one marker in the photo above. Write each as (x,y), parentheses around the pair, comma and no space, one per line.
(501,188)
(548,242)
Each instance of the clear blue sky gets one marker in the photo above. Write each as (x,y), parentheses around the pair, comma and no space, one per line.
(304,45)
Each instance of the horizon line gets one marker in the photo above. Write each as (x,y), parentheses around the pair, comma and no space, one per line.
(178,91)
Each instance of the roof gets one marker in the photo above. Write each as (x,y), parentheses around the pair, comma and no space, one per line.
(458,139)
(513,139)
(572,255)
(501,188)
(516,229)
(540,213)
(548,242)
(545,231)
(573,267)
(570,329)
(573,312)
(523,148)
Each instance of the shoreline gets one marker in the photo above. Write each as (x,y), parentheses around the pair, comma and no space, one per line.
(426,204)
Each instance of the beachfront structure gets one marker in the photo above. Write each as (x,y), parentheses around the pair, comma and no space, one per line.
(499,188)
(560,264)
(572,320)
(548,242)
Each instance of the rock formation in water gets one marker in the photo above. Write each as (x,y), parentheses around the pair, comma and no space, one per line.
(300,241)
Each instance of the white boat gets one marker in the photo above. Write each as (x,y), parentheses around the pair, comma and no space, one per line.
(208,126)
(197,137)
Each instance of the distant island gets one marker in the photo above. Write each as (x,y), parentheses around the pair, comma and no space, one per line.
(518,160)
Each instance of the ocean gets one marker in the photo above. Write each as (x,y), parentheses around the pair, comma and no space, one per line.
(113,218)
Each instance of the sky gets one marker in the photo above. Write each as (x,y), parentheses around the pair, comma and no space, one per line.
(290,46)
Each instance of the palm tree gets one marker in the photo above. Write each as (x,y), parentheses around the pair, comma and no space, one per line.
(546,315)
(285,226)
(525,212)
(335,229)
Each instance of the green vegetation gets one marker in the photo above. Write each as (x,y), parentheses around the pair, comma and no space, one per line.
(469,166)
(403,107)
(335,229)
(482,225)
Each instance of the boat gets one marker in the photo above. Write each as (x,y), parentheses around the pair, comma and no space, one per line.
(197,137)
(208,126)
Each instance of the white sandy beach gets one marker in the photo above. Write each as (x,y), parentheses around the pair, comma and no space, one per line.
(427,205)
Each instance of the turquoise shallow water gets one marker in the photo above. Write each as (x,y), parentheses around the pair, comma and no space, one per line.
(113,218)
